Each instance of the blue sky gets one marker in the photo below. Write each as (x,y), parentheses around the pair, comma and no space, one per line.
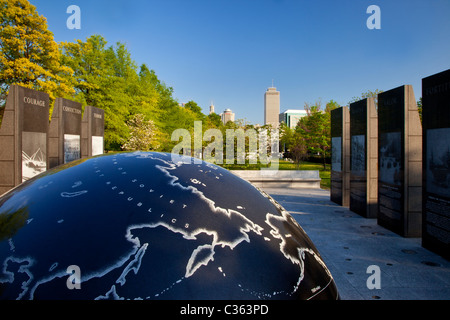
(229,51)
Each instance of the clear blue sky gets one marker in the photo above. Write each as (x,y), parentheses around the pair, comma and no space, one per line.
(229,51)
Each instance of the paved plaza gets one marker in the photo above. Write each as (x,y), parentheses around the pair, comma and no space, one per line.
(350,244)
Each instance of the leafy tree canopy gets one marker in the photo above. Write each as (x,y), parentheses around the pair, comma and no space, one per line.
(29,56)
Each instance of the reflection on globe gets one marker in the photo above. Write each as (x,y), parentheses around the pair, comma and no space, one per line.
(140,226)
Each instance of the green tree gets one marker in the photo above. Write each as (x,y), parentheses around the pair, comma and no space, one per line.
(29,56)
(293,141)
(97,84)
(286,136)
(315,128)
(108,78)
(215,120)
(87,60)
(420,108)
(149,95)
(331,106)
(368,94)
(195,108)
(298,151)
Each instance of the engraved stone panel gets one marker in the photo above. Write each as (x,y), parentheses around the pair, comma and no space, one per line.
(340,156)
(436,163)
(23,135)
(363,155)
(65,132)
(399,169)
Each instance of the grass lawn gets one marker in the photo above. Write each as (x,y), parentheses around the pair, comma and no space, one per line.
(325,175)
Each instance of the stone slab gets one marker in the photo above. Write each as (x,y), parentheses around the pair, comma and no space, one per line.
(436,163)
(364,158)
(399,161)
(281,178)
(340,156)
(23,135)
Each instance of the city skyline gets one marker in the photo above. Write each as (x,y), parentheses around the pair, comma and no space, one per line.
(231,51)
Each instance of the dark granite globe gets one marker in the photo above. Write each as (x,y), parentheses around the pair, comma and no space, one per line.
(140,226)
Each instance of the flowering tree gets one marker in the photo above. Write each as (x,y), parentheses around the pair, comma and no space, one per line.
(143,134)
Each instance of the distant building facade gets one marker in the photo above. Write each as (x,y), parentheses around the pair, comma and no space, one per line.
(227,115)
(292,117)
(272,107)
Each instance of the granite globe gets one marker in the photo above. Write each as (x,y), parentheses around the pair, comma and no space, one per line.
(143,225)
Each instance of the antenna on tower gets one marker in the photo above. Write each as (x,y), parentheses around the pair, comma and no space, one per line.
(272,84)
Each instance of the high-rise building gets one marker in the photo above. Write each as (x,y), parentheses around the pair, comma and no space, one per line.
(227,115)
(292,117)
(272,107)
(211,108)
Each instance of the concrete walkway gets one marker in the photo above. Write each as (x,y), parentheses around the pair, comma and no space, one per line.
(349,244)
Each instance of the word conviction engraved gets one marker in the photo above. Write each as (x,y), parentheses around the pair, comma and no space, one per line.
(72,110)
